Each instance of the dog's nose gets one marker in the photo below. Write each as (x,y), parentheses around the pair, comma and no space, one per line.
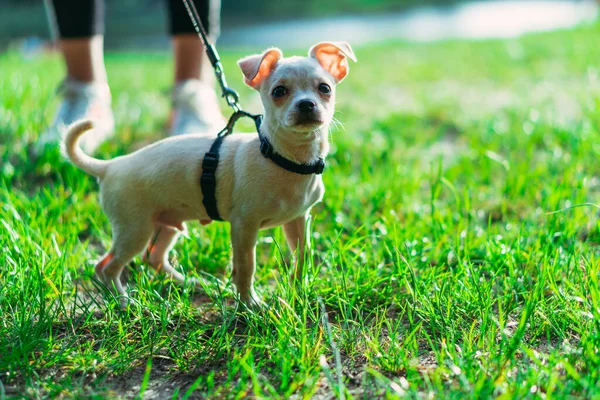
(306,105)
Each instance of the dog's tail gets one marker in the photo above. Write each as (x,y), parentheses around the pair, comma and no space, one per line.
(91,165)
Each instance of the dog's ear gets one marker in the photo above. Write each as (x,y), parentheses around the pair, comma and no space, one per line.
(333,57)
(257,67)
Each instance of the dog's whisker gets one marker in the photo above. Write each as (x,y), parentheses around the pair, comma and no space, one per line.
(337,123)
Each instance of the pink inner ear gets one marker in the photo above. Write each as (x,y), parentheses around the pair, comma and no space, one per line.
(249,67)
(339,69)
(257,68)
(266,66)
(332,60)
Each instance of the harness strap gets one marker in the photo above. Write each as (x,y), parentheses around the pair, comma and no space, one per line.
(208,179)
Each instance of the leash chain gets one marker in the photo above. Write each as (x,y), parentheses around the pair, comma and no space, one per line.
(230,95)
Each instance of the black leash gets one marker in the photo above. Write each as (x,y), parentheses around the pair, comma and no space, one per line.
(208,179)
(230,95)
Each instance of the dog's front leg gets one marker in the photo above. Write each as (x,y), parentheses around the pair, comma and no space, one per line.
(243,239)
(295,233)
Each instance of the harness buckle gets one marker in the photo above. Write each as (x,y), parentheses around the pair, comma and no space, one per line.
(208,179)
(210,162)
(232,97)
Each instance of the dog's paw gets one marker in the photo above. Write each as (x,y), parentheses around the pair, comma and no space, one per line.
(124,301)
(192,283)
(252,301)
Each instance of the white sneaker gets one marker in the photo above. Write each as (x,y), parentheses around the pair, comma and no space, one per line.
(195,109)
(82,100)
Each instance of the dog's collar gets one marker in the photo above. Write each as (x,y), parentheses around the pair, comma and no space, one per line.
(267,151)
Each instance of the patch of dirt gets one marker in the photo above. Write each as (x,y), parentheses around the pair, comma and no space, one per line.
(165,380)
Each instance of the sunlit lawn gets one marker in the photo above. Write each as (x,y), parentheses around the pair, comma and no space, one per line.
(439,268)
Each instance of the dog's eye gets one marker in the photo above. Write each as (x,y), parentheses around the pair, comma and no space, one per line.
(279,91)
(324,88)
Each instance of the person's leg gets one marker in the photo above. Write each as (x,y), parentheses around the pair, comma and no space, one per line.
(188,52)
(81,29)
(84,58)
(188,49)
(195,104)
(80,26)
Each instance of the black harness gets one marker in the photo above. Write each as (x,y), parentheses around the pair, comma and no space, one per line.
(208,179)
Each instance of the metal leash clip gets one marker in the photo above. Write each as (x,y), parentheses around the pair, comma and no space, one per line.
(230,95)
(234,118)
(230,124)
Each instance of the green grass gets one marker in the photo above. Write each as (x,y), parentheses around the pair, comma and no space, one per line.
(439,270)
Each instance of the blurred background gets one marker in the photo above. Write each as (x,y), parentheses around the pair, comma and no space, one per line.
(141,24)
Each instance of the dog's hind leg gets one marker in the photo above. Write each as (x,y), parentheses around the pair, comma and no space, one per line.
(129,239)
(157,255)
(102,264)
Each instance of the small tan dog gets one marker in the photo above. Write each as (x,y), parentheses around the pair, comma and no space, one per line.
(150,193)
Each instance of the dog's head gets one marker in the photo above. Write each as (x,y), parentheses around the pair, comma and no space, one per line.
(298,93)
